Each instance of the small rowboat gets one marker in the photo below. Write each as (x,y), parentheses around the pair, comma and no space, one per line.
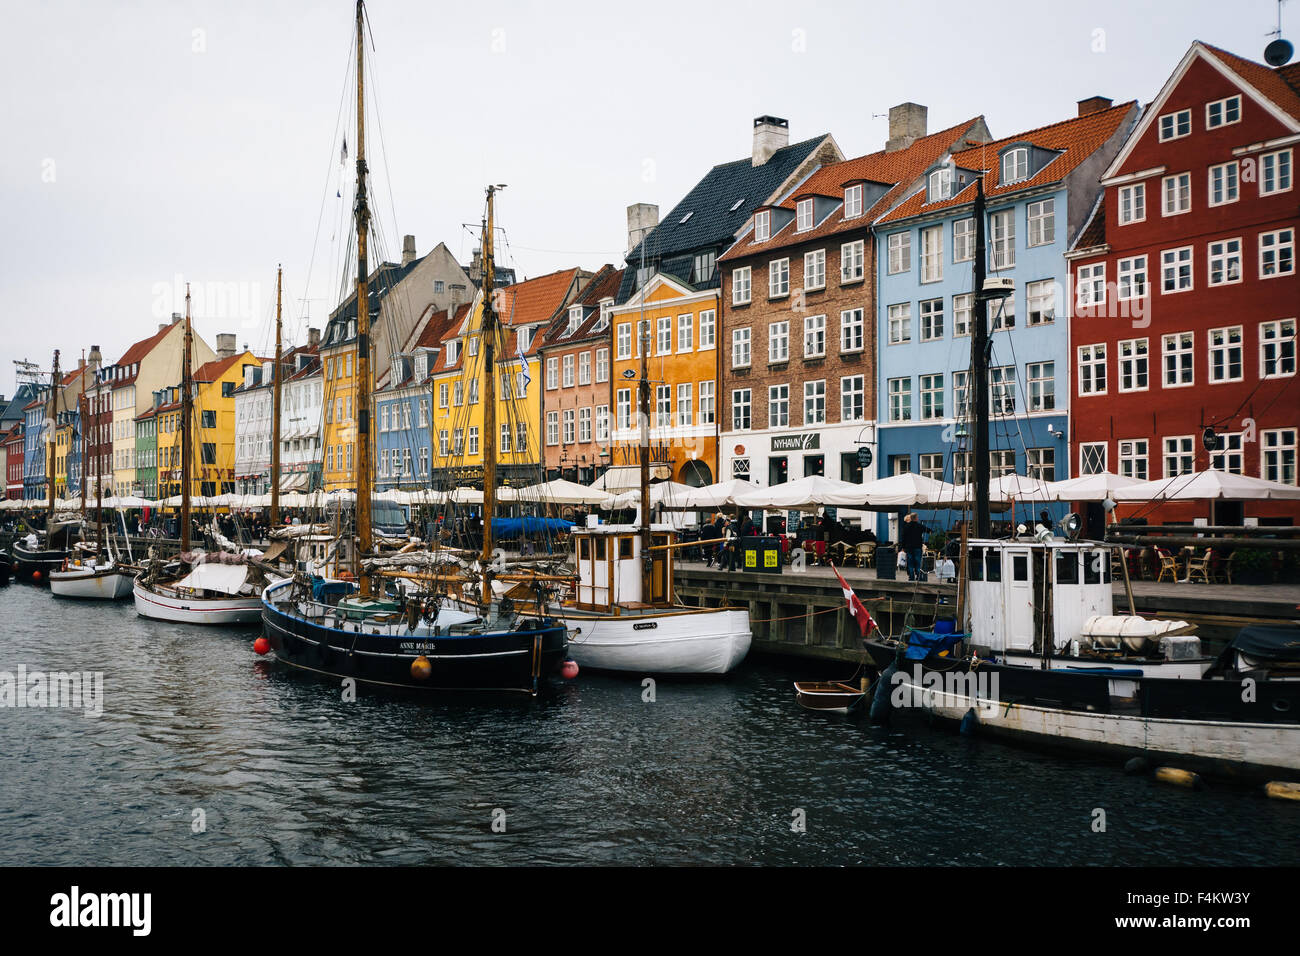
(834,697)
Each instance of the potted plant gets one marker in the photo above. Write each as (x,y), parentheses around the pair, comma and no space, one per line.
(1251,566)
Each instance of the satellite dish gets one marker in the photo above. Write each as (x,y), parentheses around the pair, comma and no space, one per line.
(1278,53)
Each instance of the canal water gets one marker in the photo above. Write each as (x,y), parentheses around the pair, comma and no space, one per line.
(206,754)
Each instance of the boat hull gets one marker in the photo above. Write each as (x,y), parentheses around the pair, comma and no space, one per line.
(227,609)
(686,642)
(27,562)
(834,697)
(515,662)
(6,567)
(104,585)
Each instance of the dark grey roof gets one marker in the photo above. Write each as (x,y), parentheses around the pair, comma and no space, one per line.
(381,282)
(713,222)
(12,410)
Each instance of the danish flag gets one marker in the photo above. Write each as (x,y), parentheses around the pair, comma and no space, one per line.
(866,623)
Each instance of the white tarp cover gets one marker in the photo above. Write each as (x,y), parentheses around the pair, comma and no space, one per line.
(1209,485)
(224,578)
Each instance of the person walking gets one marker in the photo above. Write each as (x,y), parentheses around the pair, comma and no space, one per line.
(913,542)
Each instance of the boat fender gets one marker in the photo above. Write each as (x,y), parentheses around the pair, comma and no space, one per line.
(1180,778)
(1136,765)
(880,703)
(970,723)
(1282,790)
(421,668)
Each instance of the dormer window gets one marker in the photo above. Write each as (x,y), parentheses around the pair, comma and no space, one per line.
(762,226)
(804,214)
(397,370)
(575,320)
(606,311)
(941,184)
(1015,165)
(525,336)
(853,201)
(453,348)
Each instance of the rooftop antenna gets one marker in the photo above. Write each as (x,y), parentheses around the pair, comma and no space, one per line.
(26,373)
(1279,52)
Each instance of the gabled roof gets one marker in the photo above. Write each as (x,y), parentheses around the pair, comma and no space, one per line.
(603,285)
(211,371)
(1074,140)
(1280,85)
(135,354)
(382,281)
(897,170)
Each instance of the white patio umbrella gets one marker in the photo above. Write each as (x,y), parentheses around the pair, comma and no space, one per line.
(561,492)
(1212,485)
(671,493)
(720,494)
(1096,487)
(909,490)
(804,494)
(1009,488)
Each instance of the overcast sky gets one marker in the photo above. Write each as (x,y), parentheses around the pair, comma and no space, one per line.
(150,143)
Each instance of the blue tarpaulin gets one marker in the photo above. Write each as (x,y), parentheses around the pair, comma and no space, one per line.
(322,589)
(921,644)
(529,524)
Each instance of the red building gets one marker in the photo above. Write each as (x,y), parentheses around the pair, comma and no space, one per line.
(1185,290)
(12,440)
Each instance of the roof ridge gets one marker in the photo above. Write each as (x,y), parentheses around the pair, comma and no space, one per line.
(1059,124)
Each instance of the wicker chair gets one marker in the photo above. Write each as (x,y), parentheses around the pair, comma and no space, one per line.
(866,553)
(1168,565)
(1201,566)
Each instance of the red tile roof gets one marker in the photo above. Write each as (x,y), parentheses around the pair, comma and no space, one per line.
(1094,231)
(603,285)
(1075,139)
(1280,86)
(211,371)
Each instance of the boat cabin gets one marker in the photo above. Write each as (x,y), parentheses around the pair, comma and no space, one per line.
(610,570)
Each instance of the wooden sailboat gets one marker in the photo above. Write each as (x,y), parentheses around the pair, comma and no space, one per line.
(34,560)
(203,589)
(420,640)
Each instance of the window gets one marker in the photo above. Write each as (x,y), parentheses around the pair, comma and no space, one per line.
(900,323)
(1133,365)
(1004,313)
(1002,230)
(814,336)
(685,405)
(740,409)
(209,417)
(853,398)
(1042,386)
(452,349)
(1091,288)
(1223,184)
(1180,455)
(853,201)
(962,306)
(625,340)
(931,396)
(584,368)
(1176,270)
(1041,222)
(602,423)
(963,240)
(1278,456)
(1225,354)
(932,466)
(1040,300)
(740,285)
(1040,463)
(740,348)
(552,373)
(1132,278)
(814,402)
(900,252)
(624,408)
(1177,194)
(900,399)
(521,438)
(931,315)
(1229,455)
(383,418)
(851,330)
(1133,459)
(707,317)
(1015,165)
(1175,125)
(1277,348)
(602,365)
(762,226)
(778,278)
(705,262)
(575,320)
(707,411)
(1092,458)
(1222,112)
(804,215)
(473,391)
(851,259)
(664,337)
(1225,261)
(778,342)
(1276,253)
(814,269)
(567,426)
(778,406)
(1002,390)
(932,254)
(424,413)
(1179,359)
(961,394)
(1132,203)
(686,332)
(940,185)
(1275,172)
(567,362)
(740,468)
(552,428)
(663,406)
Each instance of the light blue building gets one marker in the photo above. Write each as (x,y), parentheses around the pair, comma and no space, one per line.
(35,450)
(402,409)
(1041,188)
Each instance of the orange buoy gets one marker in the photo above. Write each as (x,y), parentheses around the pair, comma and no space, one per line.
(421,668)
(569,669)
(261,645)
(36,575)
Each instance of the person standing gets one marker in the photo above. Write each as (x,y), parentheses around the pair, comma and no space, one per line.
(913,542)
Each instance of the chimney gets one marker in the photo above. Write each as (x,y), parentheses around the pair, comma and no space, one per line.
(770,134)
(1094,104)
(907,124)
(164,325)
(225,345)
(408,250)
(95,359)
(313,338)
(641,218)
(176,317)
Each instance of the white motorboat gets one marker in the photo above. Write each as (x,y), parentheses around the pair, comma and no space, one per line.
(210,593)
(96,579)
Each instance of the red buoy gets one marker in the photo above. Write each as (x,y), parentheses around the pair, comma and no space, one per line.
(569,669)
(261,645)
(36,575)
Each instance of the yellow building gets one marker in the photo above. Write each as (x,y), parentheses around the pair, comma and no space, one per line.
(680,324)
(212,466)
(339,365)
(525,309)
(62,448)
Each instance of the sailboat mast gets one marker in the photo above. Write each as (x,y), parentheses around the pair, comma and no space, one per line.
(275,410)
(81,408)
(979,360)
(363,313)
(52,433)
(647,566)
(187,411)
(488,336)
